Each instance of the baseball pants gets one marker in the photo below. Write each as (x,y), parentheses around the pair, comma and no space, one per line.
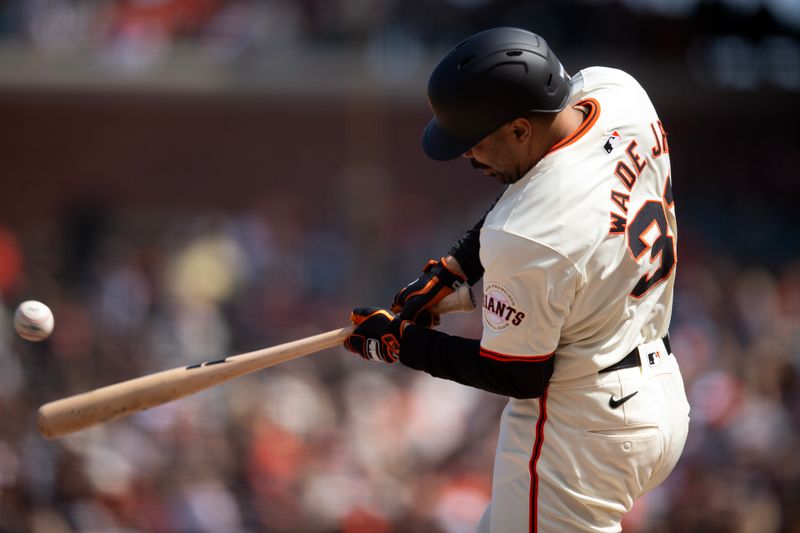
(571,461)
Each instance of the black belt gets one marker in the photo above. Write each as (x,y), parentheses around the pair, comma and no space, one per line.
(633,359)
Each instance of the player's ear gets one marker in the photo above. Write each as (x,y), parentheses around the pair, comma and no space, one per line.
(522,129)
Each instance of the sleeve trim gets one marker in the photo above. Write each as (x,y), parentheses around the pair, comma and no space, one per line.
(514,358)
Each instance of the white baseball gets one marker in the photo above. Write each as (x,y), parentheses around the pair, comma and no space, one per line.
(33,320)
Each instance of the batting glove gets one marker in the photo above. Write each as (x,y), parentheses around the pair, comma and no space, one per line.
(415,300)
(377,335)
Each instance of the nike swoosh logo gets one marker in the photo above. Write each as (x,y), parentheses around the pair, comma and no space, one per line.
(614,403)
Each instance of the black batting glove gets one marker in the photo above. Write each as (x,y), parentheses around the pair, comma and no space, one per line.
(377,334)
(416,300)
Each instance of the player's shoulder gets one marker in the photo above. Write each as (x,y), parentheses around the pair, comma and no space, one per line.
(592,79)
(546,209)
(622,102)
(612,89)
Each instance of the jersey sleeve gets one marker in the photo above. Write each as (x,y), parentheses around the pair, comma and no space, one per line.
(528,291)
(527,294)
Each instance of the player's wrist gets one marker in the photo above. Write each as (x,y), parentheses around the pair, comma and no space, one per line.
(452,264)
(439,279)
(447,271)
(398,328)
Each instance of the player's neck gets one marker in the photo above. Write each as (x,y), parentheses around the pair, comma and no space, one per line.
(566,122)
(563,125)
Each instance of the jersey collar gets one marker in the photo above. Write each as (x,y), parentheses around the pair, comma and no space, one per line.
(593,108)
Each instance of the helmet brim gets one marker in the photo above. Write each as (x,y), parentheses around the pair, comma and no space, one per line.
(440,145)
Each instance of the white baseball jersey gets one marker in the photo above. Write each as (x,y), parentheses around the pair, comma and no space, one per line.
(580,253)
(579,259)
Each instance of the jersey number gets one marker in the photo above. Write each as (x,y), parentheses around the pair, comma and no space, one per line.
(641,237)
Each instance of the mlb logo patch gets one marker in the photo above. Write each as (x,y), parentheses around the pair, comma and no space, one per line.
(654,358)
(612,141)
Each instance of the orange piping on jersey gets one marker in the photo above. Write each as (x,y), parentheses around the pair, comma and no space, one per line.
(514,358)
(586,125)
(533,520)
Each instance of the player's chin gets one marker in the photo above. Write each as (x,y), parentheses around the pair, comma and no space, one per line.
(503,178)
(492,173)
(499,176)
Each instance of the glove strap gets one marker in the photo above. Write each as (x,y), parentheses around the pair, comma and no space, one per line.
(448,278)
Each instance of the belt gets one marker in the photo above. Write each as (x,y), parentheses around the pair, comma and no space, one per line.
(632,359)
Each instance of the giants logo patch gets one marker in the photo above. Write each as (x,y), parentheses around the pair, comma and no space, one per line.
(500,308)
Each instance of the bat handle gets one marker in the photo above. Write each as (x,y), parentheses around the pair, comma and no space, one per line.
(461,301)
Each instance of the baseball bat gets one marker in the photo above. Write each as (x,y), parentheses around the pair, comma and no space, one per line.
(71,414)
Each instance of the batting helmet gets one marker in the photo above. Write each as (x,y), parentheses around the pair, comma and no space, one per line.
(489,79)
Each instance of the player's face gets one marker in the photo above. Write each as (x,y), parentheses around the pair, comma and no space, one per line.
(497,157)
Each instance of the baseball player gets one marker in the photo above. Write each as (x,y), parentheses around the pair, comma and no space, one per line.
(578,258)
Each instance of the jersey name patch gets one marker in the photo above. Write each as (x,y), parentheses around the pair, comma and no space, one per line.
(500,309)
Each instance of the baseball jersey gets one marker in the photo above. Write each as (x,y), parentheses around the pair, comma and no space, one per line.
(580,253)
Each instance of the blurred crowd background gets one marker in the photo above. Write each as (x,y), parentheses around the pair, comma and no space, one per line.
(186,179)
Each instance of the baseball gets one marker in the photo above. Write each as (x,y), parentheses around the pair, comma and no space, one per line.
(33,320)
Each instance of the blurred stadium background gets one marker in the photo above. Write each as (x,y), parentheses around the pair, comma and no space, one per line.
(184,179)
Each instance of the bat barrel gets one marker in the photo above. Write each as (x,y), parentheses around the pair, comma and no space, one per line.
(109,403)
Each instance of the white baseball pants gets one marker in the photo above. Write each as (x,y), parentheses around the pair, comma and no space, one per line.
(569,461)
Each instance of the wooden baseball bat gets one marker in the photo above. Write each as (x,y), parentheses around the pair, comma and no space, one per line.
(105,404)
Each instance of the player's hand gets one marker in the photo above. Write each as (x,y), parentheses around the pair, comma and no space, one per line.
(415,300)
(377,334)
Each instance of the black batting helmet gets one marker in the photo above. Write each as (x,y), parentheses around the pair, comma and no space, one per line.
(490,78)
